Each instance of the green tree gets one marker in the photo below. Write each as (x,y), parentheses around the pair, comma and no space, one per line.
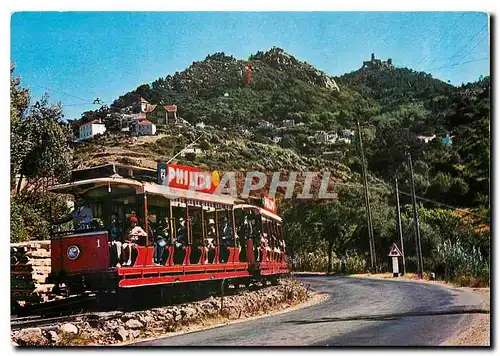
(45,151)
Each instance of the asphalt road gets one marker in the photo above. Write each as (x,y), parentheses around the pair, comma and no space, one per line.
(359,312)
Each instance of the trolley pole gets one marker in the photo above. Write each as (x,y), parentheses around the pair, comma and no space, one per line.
(420,266)
(400,228)
(367,201)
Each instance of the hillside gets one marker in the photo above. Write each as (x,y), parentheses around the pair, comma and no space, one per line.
(394,106)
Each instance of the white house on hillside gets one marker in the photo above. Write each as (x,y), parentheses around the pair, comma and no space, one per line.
(91,129)
(326,137)
(195,149)
(426,139)
(145,127)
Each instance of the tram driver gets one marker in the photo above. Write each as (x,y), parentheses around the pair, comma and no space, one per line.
(81,216)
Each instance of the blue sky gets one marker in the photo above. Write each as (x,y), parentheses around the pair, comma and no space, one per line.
(84,55)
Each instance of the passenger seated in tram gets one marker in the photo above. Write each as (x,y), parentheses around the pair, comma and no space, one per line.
(210,239)
(226,234)
(246,228)
(81,217)
(282,245)
(255,235)
(114,240)
(274,243)
(264,243)
(181,236)
(162,239)
(180,241)
(132,236)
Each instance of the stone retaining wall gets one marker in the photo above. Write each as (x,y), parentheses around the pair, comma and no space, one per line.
(118,327)
(29,269)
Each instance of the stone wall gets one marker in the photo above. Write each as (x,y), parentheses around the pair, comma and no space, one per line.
(29,268)
(117,327)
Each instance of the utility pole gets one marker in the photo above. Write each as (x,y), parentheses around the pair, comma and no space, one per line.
(420,267)
(400,228)
(367,200)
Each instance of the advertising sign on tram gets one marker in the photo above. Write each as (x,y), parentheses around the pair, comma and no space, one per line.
(269,204)
(186,177)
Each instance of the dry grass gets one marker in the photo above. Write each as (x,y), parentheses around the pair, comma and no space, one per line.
(80,339)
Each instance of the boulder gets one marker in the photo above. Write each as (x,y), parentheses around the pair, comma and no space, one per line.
(145,320)
(168,316)
(133,324)
(69,328)
(48,328)
(31,337)
(53,337)
(134,333)
(188,312)
(121,334)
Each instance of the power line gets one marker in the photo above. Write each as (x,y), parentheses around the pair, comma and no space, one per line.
(433,60)
(456,64)
(58,91)
(470,40)
(439,57)
(453,42)
(477,44)
(79,104)
(438,42)
(446,205)
(73,96)
(354,185)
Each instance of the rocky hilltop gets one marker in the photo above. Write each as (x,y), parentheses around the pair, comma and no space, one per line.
(278,59)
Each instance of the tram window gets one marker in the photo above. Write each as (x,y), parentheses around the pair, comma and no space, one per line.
(258,226)
(265,227)
(195,218)
(179,223)
(272,238)
(239,216)
(270,234)
(225,227)
(276,233)
(210,226)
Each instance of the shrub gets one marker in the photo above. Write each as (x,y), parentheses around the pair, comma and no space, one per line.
(462,264)
(31,215)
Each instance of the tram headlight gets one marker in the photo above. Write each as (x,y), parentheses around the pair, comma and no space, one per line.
(73,252)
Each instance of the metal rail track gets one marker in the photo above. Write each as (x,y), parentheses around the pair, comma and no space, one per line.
(37,321)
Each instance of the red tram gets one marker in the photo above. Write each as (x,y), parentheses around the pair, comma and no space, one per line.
(83,259)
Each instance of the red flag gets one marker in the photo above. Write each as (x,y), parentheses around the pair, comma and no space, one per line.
(249,71)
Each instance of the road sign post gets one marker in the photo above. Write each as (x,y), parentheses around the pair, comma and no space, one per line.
(395,253)
(395,267)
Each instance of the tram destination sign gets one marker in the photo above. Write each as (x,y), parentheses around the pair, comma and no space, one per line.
(269,204)
(188,178)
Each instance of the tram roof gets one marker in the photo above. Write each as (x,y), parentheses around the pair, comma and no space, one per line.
(81,187)
(261,211)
